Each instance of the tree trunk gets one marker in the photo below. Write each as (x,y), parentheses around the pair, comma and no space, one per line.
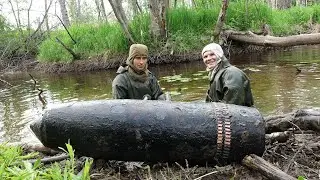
(158,10)
(272,41)
(46,17)
(29,24)
(18,13)
(280,4)
(220,21)
(284,4)
(119,13)
(194,4)
(134,7)
(301,2)
(78,10)
(98,9)
(16,16)
(272,3)
(64,13)
(103,11)
(72,6)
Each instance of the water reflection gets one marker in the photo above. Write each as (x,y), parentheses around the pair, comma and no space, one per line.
(281,81)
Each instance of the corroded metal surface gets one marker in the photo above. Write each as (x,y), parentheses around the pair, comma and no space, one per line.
(155,131)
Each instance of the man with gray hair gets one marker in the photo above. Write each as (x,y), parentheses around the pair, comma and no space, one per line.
(228,84)
(134,80)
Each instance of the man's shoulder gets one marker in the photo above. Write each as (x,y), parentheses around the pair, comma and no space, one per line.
(122,69)
(234,72)
(151,75)
(233,69)
(120,78)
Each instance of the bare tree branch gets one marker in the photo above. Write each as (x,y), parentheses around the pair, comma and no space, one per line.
(15,16)
(74,55)
(75,42)
(221,19)
(122,19)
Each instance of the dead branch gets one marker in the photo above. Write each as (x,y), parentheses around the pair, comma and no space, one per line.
(292,159)
(40,24)
(278,136)
(208,174)
(305,119)
(5,82)
(40,91)
(74,55)
(74,41)
(35,148)
(51,159)
(39,148)
(264,30)
(267,169)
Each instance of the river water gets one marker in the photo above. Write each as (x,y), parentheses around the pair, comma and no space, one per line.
(281,81)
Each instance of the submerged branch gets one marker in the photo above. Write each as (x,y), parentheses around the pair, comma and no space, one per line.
(44,103)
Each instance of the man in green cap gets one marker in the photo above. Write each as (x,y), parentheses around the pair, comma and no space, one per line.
(134,80)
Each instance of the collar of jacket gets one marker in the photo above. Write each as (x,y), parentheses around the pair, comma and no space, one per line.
(224,64)
(122,69)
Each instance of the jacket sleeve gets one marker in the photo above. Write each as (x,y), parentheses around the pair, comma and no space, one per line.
(157,93)
(233,90)
(119,87)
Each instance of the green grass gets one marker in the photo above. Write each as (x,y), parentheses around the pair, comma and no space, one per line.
(15,165)
(243,17)
(188,29)
(90,40)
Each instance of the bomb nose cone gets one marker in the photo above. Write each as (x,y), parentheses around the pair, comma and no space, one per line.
(36,128)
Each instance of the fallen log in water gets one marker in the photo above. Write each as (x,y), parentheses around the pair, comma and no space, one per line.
(154,131)
(272,41)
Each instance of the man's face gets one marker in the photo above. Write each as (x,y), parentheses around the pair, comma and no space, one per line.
(209,59)
(140,62)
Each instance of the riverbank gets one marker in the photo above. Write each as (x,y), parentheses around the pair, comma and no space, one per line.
(101,62)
